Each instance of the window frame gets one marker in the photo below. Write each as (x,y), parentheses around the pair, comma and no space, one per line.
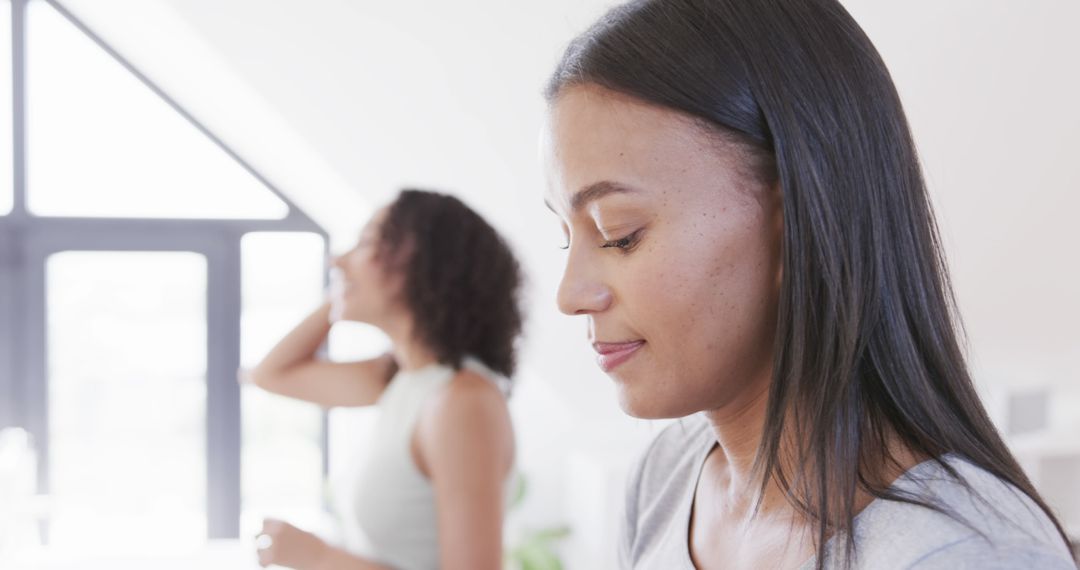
(26,242)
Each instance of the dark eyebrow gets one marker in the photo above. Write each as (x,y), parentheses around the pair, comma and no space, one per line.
(593,192)
(597,190)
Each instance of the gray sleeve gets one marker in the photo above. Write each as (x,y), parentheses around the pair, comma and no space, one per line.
(628,526)
(975,553)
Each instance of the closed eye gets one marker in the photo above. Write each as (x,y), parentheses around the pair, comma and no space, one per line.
(626,243)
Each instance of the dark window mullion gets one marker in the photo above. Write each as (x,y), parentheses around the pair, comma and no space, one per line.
(10,357)
(18,108)
(222,390)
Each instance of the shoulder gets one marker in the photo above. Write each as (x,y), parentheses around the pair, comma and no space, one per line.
(468,410)
(983,521)
(973,552)
(467,398)
(467,392)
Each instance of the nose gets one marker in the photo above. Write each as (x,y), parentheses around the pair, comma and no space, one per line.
(582,291)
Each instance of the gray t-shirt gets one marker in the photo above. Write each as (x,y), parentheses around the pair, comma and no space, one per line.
(1010,531)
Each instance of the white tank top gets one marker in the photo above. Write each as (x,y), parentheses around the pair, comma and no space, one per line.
(392,502)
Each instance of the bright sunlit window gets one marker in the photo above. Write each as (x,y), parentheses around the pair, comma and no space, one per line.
(102,144)
(6,175)
(128,445)
(127,400)
(126,332)
(282,438)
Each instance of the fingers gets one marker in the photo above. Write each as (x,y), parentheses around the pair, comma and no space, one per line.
(263,541)
(282,544)
(265,546)
(264,549)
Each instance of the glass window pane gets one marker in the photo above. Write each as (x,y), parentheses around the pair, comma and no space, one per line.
(100,143)
(6,176)
(127,400)
(282,438)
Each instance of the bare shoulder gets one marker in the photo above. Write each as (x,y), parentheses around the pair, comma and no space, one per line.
(468,398)
(465,425)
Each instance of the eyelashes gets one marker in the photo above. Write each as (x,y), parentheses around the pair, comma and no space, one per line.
(625,244)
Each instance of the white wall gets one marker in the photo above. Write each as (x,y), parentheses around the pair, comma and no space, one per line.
(446,95)
(991,90)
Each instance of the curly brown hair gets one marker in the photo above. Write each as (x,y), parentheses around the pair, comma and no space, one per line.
(462,281)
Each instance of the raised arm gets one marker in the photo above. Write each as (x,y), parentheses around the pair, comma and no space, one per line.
(292,368)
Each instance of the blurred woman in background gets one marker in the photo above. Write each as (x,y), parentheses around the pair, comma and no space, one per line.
(443,285)
(751,240)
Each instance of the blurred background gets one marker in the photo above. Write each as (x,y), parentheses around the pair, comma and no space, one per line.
(174,173)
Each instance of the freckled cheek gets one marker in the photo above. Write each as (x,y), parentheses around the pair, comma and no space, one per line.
(666,295)
(698,294)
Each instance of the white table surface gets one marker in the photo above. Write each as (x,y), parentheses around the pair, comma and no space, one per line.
(217,555)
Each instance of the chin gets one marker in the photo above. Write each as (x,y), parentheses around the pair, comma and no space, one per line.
(649,407)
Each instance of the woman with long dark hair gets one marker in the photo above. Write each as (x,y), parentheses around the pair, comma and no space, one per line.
(443,285)
(750,238)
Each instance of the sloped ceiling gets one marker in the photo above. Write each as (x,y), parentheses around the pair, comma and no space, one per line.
(377,95)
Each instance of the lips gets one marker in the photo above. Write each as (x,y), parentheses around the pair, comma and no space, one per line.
(612,354)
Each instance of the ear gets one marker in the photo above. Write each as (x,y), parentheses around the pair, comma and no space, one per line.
(775,219)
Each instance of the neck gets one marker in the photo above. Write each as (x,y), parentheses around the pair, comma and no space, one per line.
(409,353)
(738,428)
